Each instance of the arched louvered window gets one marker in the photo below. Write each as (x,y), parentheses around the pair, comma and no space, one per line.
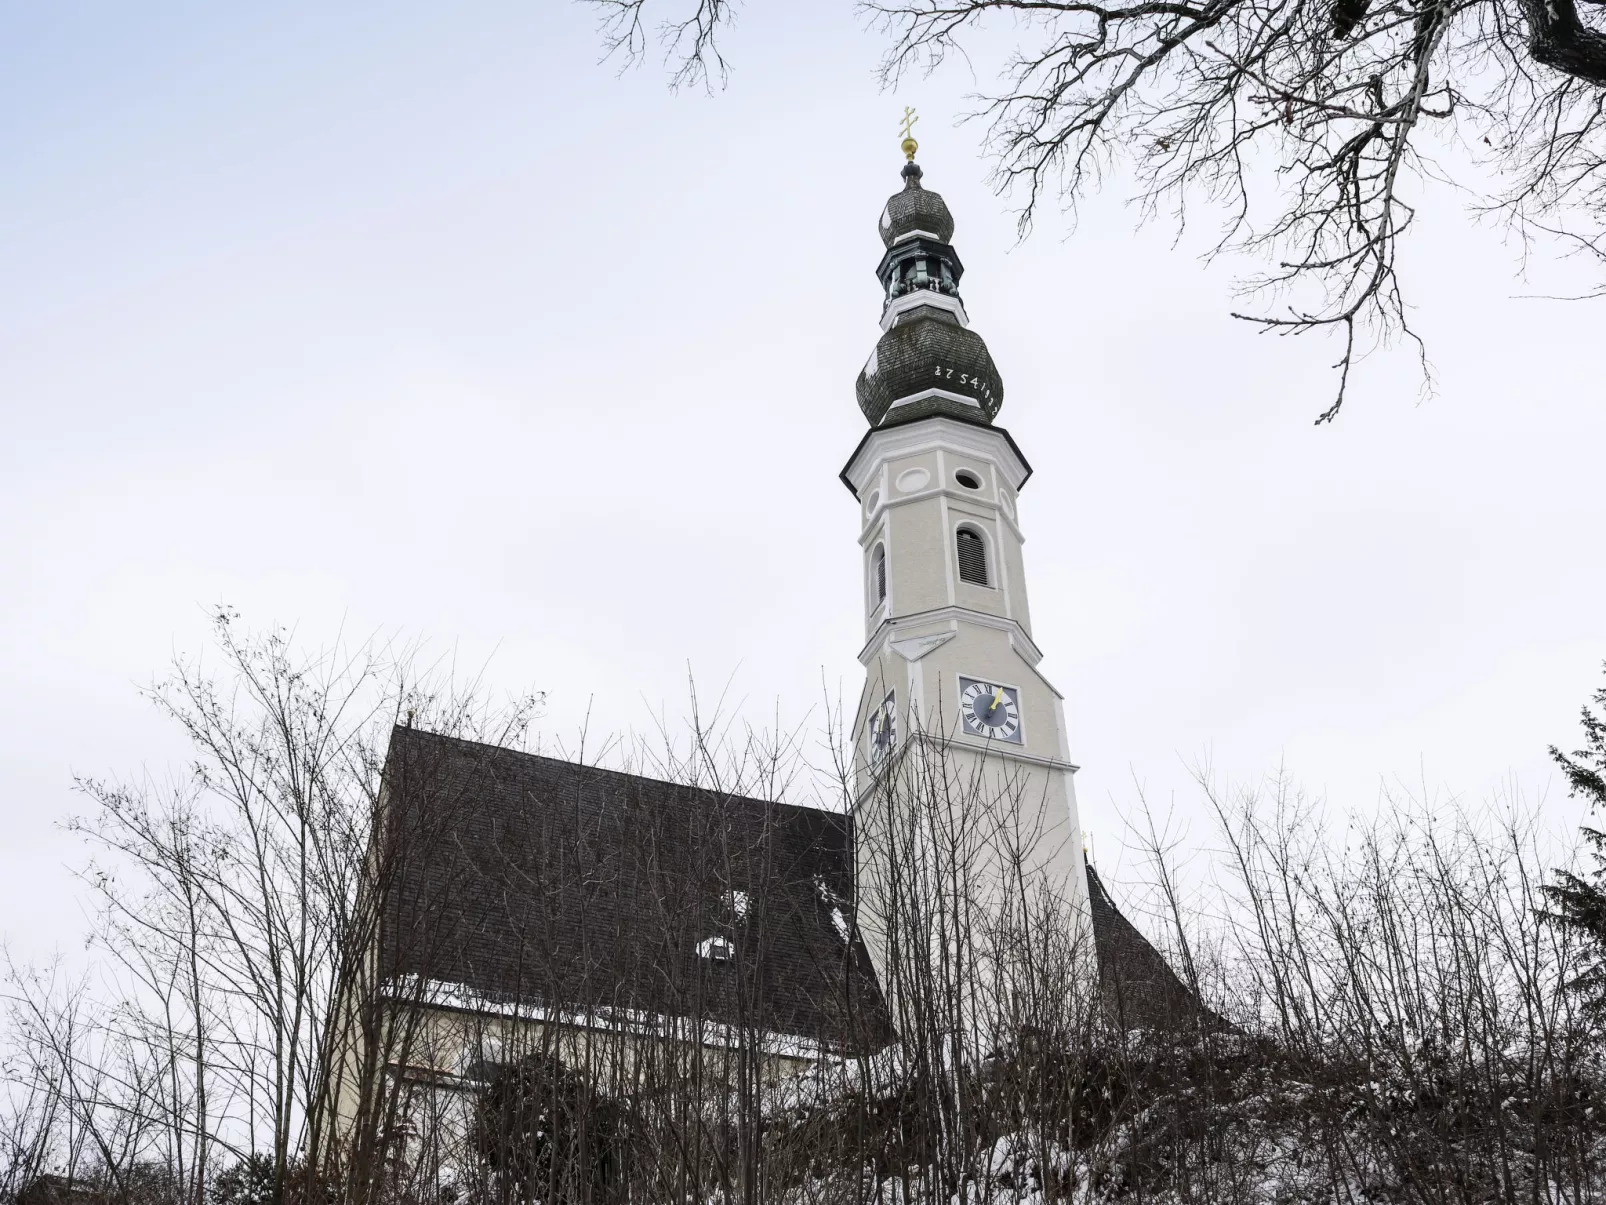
(878,574)
(972,556)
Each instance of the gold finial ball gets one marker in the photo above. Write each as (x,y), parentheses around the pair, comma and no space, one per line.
(910,146)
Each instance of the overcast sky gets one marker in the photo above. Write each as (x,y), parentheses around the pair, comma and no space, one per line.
(416,319)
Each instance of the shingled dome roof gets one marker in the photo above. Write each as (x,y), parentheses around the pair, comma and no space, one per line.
(930,364)
(915,210)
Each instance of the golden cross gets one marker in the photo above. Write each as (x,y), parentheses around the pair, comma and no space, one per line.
(910,146)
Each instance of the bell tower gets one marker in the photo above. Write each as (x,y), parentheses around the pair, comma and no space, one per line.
(950,661)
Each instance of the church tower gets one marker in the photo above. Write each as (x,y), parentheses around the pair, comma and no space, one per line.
(950,662)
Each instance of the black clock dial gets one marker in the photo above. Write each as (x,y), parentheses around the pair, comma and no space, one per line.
(989,710)
(884,726)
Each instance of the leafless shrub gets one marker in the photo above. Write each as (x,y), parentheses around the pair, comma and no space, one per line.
(1402,1022)
(1418,998)
(237,907)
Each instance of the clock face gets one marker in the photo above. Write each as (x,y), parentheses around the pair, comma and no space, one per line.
(989,710)
(884,727)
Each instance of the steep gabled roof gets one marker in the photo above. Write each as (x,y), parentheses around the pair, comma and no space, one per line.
(1140,989)
(527,881)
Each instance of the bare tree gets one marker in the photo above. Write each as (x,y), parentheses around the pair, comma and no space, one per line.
(82,1089)
(293,1015)
(690,40)
(237,910)
(1416,998)
(1315,124)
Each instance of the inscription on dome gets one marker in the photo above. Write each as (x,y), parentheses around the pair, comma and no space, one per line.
(973,382)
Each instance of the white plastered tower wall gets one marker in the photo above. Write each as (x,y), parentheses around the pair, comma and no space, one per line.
(930,629)
(961,756)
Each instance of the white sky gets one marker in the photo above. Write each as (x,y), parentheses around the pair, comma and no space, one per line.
(417,319)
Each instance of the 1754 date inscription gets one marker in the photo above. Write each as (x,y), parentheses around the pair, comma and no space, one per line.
(966,380)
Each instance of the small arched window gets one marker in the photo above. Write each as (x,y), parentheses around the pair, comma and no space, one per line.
(972,556)
(878,574)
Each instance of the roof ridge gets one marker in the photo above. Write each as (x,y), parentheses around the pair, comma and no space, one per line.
(412,731)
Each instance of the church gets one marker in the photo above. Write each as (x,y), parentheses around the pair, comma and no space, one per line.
(522,893)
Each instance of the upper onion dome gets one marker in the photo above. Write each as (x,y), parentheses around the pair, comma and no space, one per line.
(914,210)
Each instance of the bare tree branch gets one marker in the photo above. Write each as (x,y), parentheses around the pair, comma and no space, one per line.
(690,40)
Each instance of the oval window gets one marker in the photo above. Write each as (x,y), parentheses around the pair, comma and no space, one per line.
(968,479)
(911,480)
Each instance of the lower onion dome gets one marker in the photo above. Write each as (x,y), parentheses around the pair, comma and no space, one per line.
(928,364)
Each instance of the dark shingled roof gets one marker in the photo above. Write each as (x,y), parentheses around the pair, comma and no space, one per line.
(532,881)
(1140,989)
(522,880)
(915,208)
(927,349)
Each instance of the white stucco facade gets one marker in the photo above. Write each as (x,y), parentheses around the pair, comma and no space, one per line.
(918,484)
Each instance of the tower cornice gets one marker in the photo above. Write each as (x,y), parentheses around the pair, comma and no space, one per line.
(1001,753)
(1019,638)
(899,306)
(911,438)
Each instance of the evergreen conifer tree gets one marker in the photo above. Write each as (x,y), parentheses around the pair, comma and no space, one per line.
(1579,902)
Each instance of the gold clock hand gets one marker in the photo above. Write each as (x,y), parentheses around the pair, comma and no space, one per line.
(997,699)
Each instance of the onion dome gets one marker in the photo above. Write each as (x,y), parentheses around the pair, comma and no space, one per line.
(928,360)
(927,363)
(915,211)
